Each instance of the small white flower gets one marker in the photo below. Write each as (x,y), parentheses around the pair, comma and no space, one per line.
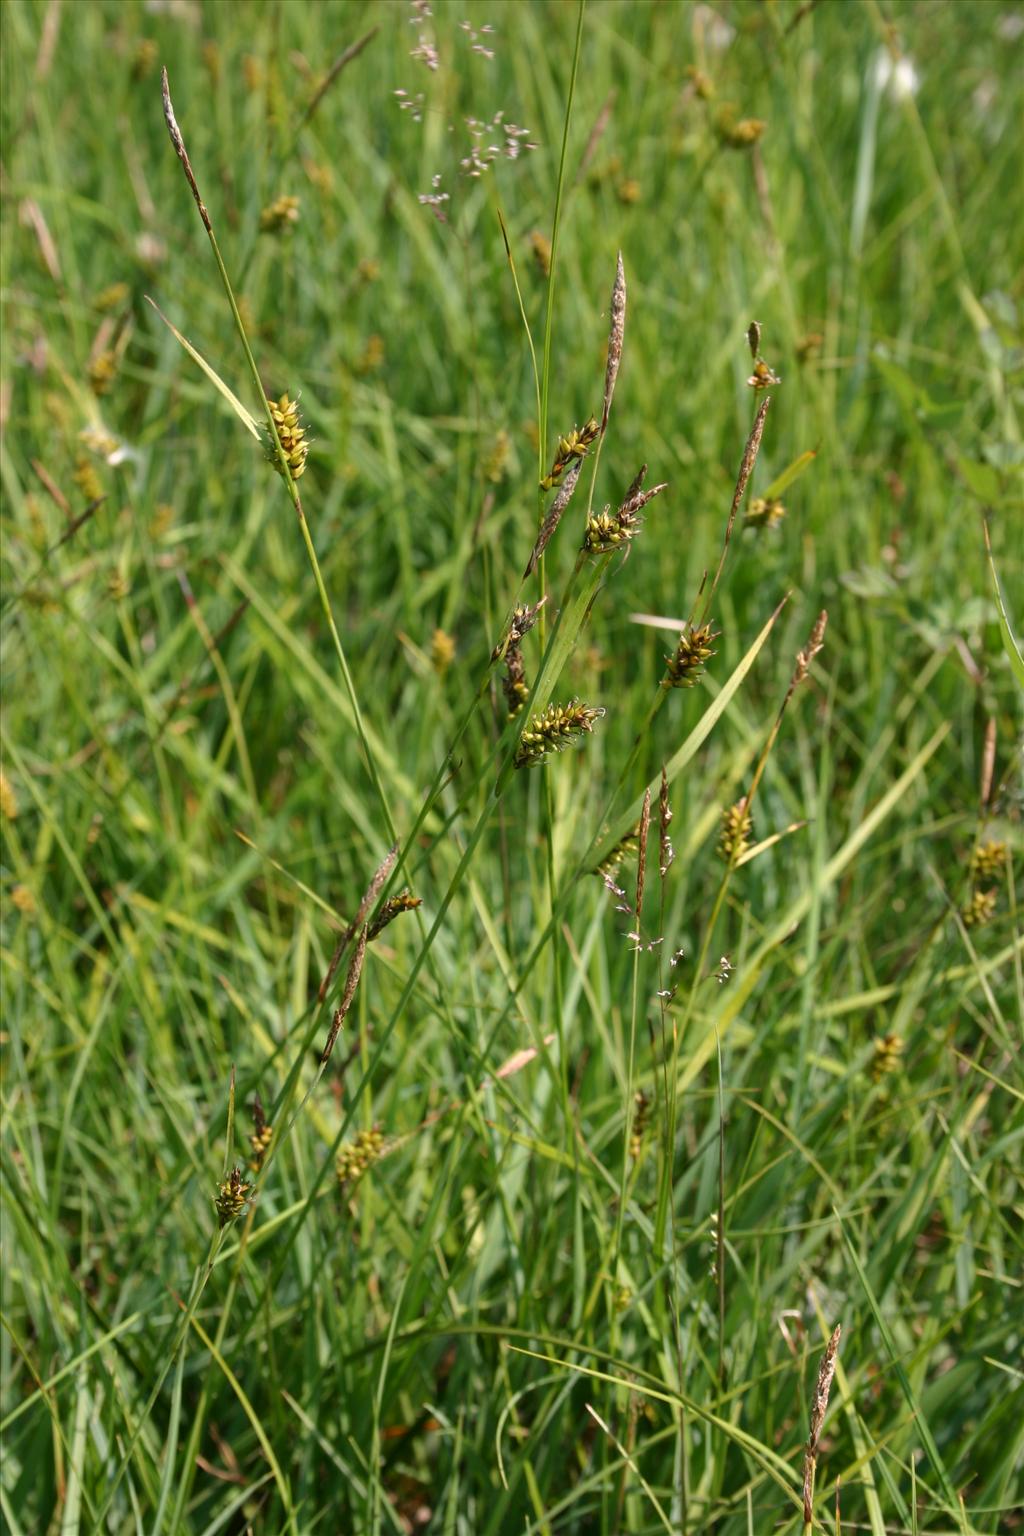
(897,76)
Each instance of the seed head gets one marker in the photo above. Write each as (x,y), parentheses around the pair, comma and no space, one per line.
(279,215)
(819,1407)
(442,651)
(765,512)
(737,825)
(262,1135)
(763,377)
(8,799)
(102,371)
(557,728)
(988,861)
(666,853)
(886,1059)
(232,1198)
(571,449)
(641,1111)
(292,437)
(694,649)
(561,500)
(607,531)
(514,683)
(980,909)
(615,856)
(356,1156)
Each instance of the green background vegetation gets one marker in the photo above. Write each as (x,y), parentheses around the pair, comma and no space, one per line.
(354,1361)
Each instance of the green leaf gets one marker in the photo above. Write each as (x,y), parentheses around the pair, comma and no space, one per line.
(236,405)
(1010,645)
(793,472)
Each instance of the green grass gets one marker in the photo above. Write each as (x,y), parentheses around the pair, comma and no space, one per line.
(509,1323)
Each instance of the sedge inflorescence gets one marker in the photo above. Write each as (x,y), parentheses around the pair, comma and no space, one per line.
(291,435)
(555,729)
(694,649)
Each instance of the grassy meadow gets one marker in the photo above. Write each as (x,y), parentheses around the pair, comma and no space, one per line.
(513,1181)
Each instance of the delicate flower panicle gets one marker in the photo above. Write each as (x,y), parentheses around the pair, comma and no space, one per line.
(279,215)
(887,1052)
(988,861)
(737,826)
(292,437)
(606,531)
(694,649)
(392,908)
(356,1156)
(262,1135)
(482,156)
(980,909)
(765,512)
(475,35)
(436,199)
(615,855)
(425,51)
(232,1198)
(571,449)
(666,853)
(724,970)
(413,104)
(616,333)
(557,728)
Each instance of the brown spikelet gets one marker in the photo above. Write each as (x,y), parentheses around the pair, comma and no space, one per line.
(522,621)
(262,1135)
(641,861)
(574,446)
(616,333)
(819,1406)
(351,983)
(514,684)
(180,150)
(754,337)
(988,761)
(811,649)
(747,463)
(370,895)
(554,517)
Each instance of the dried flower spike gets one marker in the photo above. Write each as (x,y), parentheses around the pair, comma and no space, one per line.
(819,1406)
(815,642)
(754,338)
(557,728)
(522,621)
(641,861)
(737,825)
(554,517)
(694,649)
(291,436)
(666,853)
(281,214)
(616,334)
(514,683)
(232,1198)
